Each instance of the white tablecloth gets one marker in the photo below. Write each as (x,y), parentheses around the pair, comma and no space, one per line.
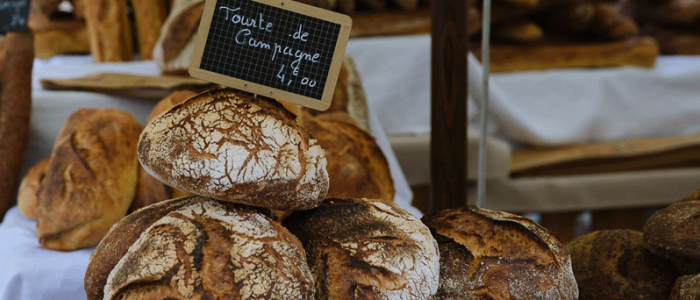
(28,271)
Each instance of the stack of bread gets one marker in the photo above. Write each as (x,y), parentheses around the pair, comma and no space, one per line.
(546,34)
(662,262)
(674,23)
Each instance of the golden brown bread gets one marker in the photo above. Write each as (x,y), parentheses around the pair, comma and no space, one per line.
(672,233)
(198,248)
(16,61)
(229,145)
(357,167)
(90,181)
(29,187)
(175,44)
(686,287)
(637,51)
(487,254)
(61,37)
(109,30)
(518,31)
(149,16)
(377,251)
(613,264)
(608,23)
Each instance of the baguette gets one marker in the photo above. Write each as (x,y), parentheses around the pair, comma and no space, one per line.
(109,30)
(149,16)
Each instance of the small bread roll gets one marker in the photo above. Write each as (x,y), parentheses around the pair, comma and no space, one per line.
(486,254)
(364,249)
(229,145)
(28,188)
(90,181)
(672,233)
(613,264)
(198,248)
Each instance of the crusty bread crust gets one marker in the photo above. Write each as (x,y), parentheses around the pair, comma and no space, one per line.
(29,187)
(198,248)
(486,254)
(231,146)
(365,249)
(672,233)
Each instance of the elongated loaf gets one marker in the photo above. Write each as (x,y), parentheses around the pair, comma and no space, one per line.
(91,179)
(198,248)
(232,146)
(16,61)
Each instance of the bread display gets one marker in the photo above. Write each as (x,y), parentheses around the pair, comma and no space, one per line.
(16,62)
(487,254)
(198,248)
(229,145)
(88,185)
(674,23)
(356,165)
(613,264)
(29,187)
(109,30)
(174,47)
(672,233)
(378,251)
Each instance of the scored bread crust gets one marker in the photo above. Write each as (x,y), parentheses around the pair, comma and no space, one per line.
(365,249)
(198,248)
(231,146)
(499,255)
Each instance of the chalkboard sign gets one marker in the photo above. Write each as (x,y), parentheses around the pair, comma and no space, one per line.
(276,48)
(13,15)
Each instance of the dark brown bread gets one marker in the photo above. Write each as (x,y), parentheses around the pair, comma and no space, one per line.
(16,61)
(672,233)
(686,287)
(198,248)
(486,254)
(29,188)
(232,146)
(357,167)
(91,179)
(613,264)
(363,249)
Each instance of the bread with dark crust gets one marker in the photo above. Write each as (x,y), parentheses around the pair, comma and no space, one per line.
(91,179)
(229,145)
(486,254)
(173,49)
(672,233)
(686,287)
(365,249)
(613,264)
(198,248)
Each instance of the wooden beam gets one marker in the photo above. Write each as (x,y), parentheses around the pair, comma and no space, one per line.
(448,146)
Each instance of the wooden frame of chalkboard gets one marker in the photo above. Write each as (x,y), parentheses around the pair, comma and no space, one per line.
(280,49)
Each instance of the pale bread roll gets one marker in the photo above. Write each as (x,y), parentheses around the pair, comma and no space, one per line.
(198,248)
(90,181)
(229,145)
(365,249)
(28,188)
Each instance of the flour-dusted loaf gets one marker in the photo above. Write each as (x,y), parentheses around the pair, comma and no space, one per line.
(91,178)
(673,232)
(29,187)
(198,248)
(486,254)
(364,249)
(357,167)
(233,146)
(613,264)
(16,61)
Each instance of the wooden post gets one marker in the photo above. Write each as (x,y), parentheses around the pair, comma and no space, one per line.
(448,138)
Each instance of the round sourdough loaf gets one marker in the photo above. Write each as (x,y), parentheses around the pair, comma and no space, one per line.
(232,146)
(613,264)
(673,232)
(362,249)
(487,254)
(198,248)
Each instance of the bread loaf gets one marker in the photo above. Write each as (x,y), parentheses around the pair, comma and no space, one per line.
(175,44)
(363,249)
(672,233)
(90,181)
(61,37)
(198,248)
(16,61)
(109,30)
(686,287)
(487,254)
(356,166)
(29,187)
(613,264)
(229,145)
(149,16)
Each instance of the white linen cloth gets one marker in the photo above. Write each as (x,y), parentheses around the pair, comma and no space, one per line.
(29,272)
(539,107)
